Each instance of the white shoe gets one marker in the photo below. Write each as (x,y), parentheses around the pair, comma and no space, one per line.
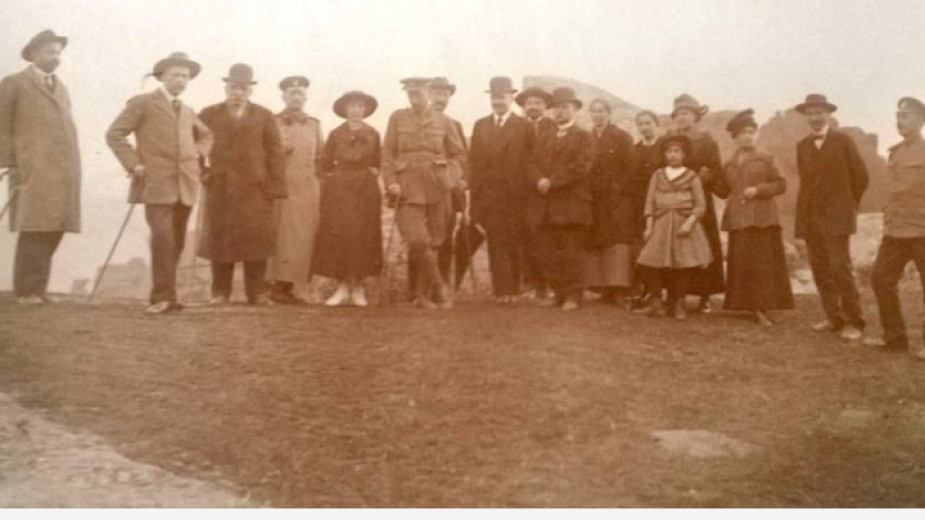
(358,296)
(340,296)
(30,300)
(850,333)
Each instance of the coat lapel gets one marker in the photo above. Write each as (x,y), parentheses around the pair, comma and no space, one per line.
(160,100)
(37,83)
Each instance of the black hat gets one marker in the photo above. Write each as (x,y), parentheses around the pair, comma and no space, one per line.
(679,139)
(294,81)
(521,98)
(564,95)
(240,73)
(176,59)
(816,100)
(441,83)
(500,84)
(40,39)
(912,104)
(743,119)
(340,106)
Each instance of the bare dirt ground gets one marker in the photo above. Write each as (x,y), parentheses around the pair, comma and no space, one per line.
(481,406)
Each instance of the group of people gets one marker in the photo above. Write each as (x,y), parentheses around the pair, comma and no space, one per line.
(564,210)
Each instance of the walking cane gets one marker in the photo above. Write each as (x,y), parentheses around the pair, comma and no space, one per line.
(13,191)
(466,244)
(384,276)
(112,250)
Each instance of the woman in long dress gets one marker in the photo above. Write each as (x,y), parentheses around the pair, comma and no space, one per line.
(350,237)
(609,267)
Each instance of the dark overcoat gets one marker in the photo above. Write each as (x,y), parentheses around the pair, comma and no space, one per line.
(247,172)
(567,165)
(832,181)
(612,186)
(498,166)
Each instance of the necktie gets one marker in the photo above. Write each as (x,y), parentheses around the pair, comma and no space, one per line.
(176,106)
(50,82)
(498,121)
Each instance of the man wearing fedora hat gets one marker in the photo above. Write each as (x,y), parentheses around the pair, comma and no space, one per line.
(502,154)
(535,102)
(299,214)
(565,210)
(247,174)
(164,164)
(38,146)
(420,153)
(833,178)
(903,227)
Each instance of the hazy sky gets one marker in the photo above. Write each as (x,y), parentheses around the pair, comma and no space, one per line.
(729,54)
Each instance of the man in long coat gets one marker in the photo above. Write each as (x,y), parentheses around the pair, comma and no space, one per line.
(423,158)
(565,208)
(502,153)
(833,178)
(247,174)
(38,144)
(535,102)
(165,168)
(299,214)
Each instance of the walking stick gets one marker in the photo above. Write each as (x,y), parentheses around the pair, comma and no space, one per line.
(384,276)
(112,250)
(469,258)
(13,191)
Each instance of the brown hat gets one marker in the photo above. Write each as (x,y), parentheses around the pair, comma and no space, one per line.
(340,106)
(176,59)
(441,83)
(240,73)
(688,102)
(564,95)
(294,81)
(816,100)
(536,92)
(678,139)
(913,105)
(743,119)
(39,40)
(500,84)
(416,83)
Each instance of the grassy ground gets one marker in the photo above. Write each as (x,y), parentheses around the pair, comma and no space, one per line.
(481,406)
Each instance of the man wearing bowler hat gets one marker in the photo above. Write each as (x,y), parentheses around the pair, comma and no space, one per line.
(502,154)
(422,155)
(164,164)
(535,102)
(247,174)
(298,215)
(38,147)
(565,210)
(833,178)
(903,227)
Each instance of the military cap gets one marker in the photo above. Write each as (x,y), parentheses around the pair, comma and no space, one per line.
(441,83)
(912,105)
(294,81)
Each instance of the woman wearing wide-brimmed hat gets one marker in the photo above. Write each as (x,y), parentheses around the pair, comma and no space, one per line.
(350,238)
(705,159)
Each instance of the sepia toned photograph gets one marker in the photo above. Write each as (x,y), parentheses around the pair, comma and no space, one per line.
(462,254)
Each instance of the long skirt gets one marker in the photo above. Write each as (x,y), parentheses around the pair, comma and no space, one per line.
(757,277)
(610,267)
(709,281)
(349,244)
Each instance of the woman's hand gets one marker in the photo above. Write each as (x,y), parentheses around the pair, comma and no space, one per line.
(394,190)
(750,193)
(647,233)
(686,228)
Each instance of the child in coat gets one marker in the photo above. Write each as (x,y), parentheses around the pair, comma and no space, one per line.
(675,243)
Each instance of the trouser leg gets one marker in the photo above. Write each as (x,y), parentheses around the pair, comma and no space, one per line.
(918,256)
(839,254)
(820,265)
(167,223)
(255,274)
(222,276)
(573,261)
(32,263)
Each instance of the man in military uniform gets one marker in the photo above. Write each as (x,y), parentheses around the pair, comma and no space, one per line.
(423,159)
(903,227)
